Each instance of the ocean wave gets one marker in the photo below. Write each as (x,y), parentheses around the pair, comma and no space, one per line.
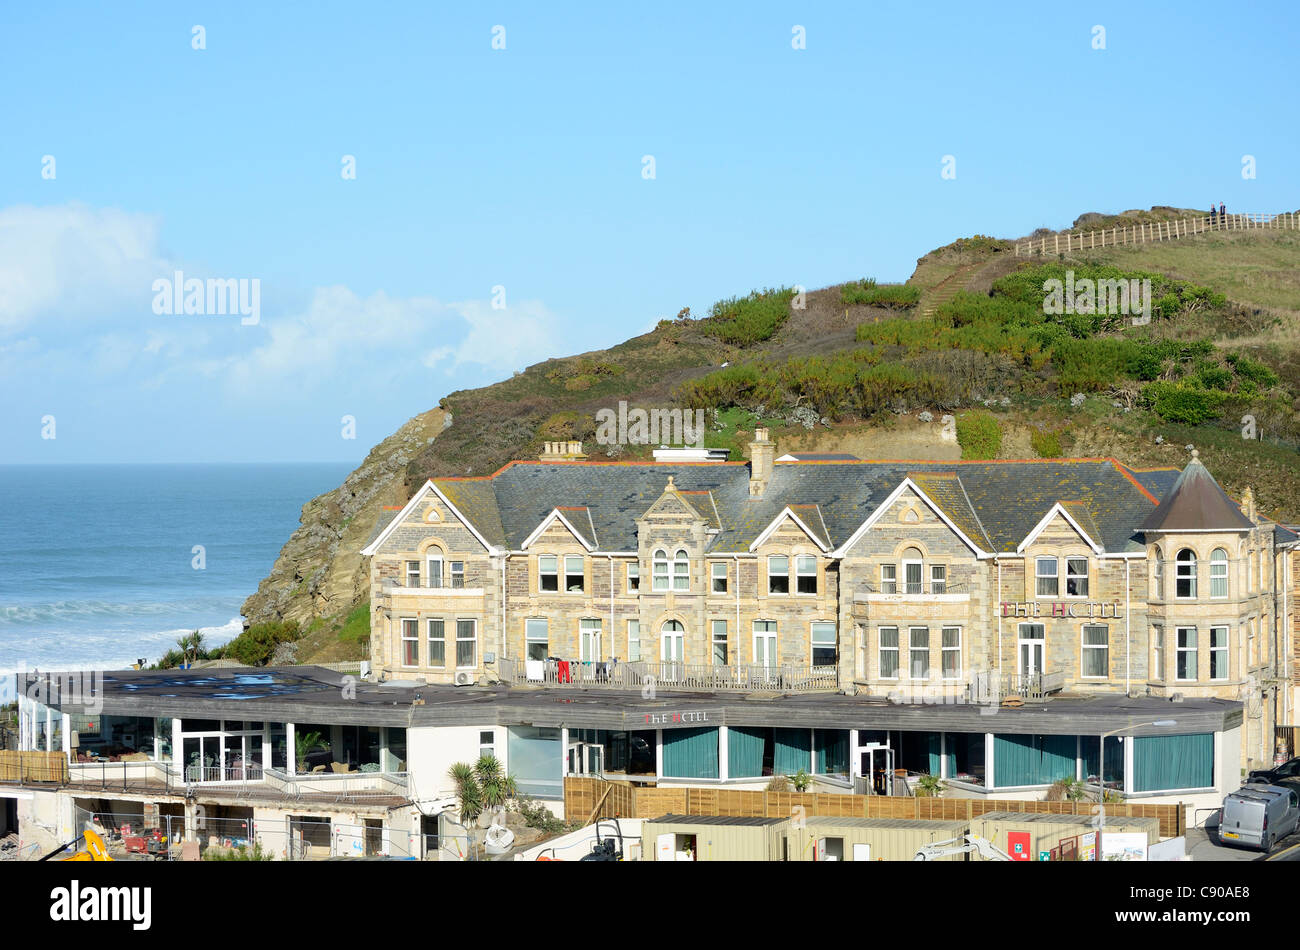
(26,614)
(116,652)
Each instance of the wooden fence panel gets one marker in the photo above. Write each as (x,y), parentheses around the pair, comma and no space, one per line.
(33,767)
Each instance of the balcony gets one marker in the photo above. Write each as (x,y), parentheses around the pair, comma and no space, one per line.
(702,677)
(913,589)
(449,587)
(988,686)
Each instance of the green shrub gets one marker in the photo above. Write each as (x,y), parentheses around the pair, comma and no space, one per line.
(743,321)
(256,645)
(356,628)
(896,296)
(979,435)
(1183,403)
(1047,445)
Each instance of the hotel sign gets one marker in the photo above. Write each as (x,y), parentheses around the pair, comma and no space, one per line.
(675,719)
(1084,610)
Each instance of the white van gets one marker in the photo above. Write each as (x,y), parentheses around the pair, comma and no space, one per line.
(1259,815)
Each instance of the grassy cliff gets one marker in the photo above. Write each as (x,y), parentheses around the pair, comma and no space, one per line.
(870,369)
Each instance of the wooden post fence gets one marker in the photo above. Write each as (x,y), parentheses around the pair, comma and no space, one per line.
(1144,232)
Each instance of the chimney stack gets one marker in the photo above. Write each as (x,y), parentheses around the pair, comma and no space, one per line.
(762,456)
(561,452)
(1248,503)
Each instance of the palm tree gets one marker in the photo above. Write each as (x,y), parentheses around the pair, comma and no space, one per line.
(467,790)
(929,786)
(495,787)
(304,743)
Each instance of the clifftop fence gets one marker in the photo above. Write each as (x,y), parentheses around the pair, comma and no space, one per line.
(1070,241)
(583,796)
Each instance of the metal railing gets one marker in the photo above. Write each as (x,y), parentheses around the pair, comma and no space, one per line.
(987,686)
(1147,232)
(915,588)
(206,774)
(750,677)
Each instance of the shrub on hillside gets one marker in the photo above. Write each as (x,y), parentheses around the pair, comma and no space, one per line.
(256,645)
(979,435)
(895,296)
(1184,403)
(743,321)
(1047,445)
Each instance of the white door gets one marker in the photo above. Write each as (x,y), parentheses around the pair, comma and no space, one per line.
(665,849)
(1031,648)
(862,852)
(765,643)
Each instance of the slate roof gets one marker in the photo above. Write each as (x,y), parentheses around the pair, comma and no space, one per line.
(1196,503)
(996,504)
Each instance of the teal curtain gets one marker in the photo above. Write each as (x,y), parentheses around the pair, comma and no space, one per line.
(1170,762)
(691,753)
(1033,760)
(1059,756)
(932,745)
(832,747)
(950,756)
(745,751)
(792,751)
(1015,760)
(1114,758)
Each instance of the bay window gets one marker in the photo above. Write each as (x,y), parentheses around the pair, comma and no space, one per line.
(1185,574)
(1218,573)
(1218,653)
(437,643)
(1186,660)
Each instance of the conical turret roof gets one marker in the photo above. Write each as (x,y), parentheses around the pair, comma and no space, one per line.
(1196,503)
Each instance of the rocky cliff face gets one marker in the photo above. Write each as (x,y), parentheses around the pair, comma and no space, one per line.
(320,571)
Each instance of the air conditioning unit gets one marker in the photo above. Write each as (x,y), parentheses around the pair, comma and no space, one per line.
(465,679)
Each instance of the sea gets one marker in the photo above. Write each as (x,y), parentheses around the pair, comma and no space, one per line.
(105,565)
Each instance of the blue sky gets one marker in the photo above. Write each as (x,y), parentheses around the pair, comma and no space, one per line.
(522,168)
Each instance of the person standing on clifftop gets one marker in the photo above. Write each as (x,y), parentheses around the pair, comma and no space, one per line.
(1213,214)
(1223,213)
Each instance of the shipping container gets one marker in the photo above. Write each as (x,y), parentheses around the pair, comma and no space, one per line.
(869,839)
(1037,835)
(712,838)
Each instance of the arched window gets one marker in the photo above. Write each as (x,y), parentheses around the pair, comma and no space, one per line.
(672,642)
(912,583)
(1218,573)
(681,571)
(1185,574)
(660,570)
(1158,577)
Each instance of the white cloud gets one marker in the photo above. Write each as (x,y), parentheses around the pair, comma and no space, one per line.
(79,262)
(518,336)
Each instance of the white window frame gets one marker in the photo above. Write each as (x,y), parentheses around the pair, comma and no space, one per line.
(473,621)
(634,641)
(881,650)
(659,571)
(456,574)
(718,572)
(813,629)
(1085,646)
(681,570)
(1158,651)
(531,638)
(430,574)
(1219,574)
(412,575)
(580,574)
(912,648)
(543,573)
(1180,650)
(945,650)
(1074,559)
(1221,650)
(634,577)
(938,578)
(489,747)
(411,623)
(800,574)
(889,578)
(1190,575)
(920,576)
(1158,580)
(772,575)
(591,632)
(429,639)
(1040,577)
(715,639)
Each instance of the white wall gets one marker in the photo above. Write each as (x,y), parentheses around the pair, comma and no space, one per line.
(576,844)
(432,750)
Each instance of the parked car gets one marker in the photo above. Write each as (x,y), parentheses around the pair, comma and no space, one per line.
(1257,815)
(1287,771)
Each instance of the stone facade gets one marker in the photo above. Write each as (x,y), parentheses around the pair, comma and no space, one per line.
(915,607)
